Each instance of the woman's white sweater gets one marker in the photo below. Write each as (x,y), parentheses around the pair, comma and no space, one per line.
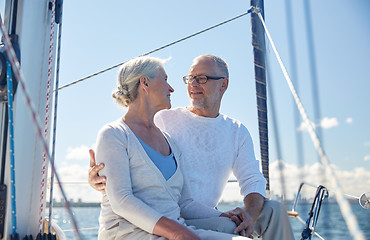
(137,194)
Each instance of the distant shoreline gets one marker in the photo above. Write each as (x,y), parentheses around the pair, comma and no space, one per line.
(75,204)
(234,203)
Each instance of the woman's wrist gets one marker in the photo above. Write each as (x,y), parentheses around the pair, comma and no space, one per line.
(167,228)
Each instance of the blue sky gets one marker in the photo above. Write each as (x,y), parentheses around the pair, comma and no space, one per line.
(98,35)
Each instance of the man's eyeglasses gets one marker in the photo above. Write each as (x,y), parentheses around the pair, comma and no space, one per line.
(201,79)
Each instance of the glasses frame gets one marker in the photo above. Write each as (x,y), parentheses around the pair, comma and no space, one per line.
(187,79)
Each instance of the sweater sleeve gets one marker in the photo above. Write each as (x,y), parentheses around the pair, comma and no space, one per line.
(246,166)
(158,120)
(111,149)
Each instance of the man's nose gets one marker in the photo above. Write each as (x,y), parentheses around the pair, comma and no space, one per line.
(194,82)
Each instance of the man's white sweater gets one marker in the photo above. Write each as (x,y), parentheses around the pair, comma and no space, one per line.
(213,148)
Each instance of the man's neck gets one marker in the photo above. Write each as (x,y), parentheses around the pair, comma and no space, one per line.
(203,112)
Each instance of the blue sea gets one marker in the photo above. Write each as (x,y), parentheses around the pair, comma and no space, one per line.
(331,224)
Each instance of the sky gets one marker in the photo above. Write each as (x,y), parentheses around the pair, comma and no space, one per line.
(98,35)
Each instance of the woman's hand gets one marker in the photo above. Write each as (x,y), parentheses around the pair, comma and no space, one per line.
(173,230)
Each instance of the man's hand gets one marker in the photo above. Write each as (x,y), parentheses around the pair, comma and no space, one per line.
(243,220)
(246,217)
(97,182)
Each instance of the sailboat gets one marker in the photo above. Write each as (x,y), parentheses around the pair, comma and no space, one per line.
(32,28)
(28,67)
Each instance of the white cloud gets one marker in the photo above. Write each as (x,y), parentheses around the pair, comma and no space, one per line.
(367,144)
(304,127)
(75,185)
(349,120)
(328,122)
(325,123)
(367,158)
(354,182)
(78,153)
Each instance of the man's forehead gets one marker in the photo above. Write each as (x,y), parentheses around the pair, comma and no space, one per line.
(202,64)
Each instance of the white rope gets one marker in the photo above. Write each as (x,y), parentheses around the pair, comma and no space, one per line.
(47,116)
(345,208)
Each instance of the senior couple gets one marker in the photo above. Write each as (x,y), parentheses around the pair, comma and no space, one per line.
(162,173)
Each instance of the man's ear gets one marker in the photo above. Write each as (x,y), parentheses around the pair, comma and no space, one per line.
(225,84)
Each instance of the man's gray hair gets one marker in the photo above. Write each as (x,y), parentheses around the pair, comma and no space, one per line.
(221,65)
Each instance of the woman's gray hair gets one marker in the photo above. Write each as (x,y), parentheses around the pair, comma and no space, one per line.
(129,77)
(221,65)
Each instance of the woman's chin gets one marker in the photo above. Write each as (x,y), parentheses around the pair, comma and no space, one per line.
(168,106)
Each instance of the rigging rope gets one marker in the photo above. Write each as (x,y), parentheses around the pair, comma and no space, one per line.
(155,50)
(276,131)
(11,147)
(292,58)
(35,119)
(313,70)
(315,90)
(55,115)
(47,114)
(342,202)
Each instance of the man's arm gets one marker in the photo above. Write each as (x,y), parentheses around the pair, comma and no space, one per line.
(97,182)
(246,217)
(252,184)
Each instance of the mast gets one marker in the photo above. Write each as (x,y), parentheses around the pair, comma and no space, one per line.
(34,30)
(259,49)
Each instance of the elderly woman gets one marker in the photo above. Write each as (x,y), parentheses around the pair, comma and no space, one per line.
(146,192)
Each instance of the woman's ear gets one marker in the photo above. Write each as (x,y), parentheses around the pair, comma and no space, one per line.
(144,83)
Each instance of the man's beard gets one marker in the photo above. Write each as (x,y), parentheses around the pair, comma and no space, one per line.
(198,103)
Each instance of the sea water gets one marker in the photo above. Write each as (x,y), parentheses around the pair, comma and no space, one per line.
(331,224)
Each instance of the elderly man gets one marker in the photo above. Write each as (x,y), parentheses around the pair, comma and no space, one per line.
(213,146)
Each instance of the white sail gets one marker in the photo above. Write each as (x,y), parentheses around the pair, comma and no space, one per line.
(36,43)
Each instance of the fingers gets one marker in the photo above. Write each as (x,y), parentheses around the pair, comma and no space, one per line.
(236,211)
(225,214)
(244,227)
(92,158)
(94,178)
(94,170)
(97,182)
(100,187)
(244,230)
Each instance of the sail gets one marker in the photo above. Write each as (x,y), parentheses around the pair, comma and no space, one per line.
(37,46)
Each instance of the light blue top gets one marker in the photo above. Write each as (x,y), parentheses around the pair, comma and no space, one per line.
(165,164)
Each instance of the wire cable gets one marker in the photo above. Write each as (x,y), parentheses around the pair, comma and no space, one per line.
(155,50)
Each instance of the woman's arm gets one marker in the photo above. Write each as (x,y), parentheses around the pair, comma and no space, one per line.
(173,230)
(111,148)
